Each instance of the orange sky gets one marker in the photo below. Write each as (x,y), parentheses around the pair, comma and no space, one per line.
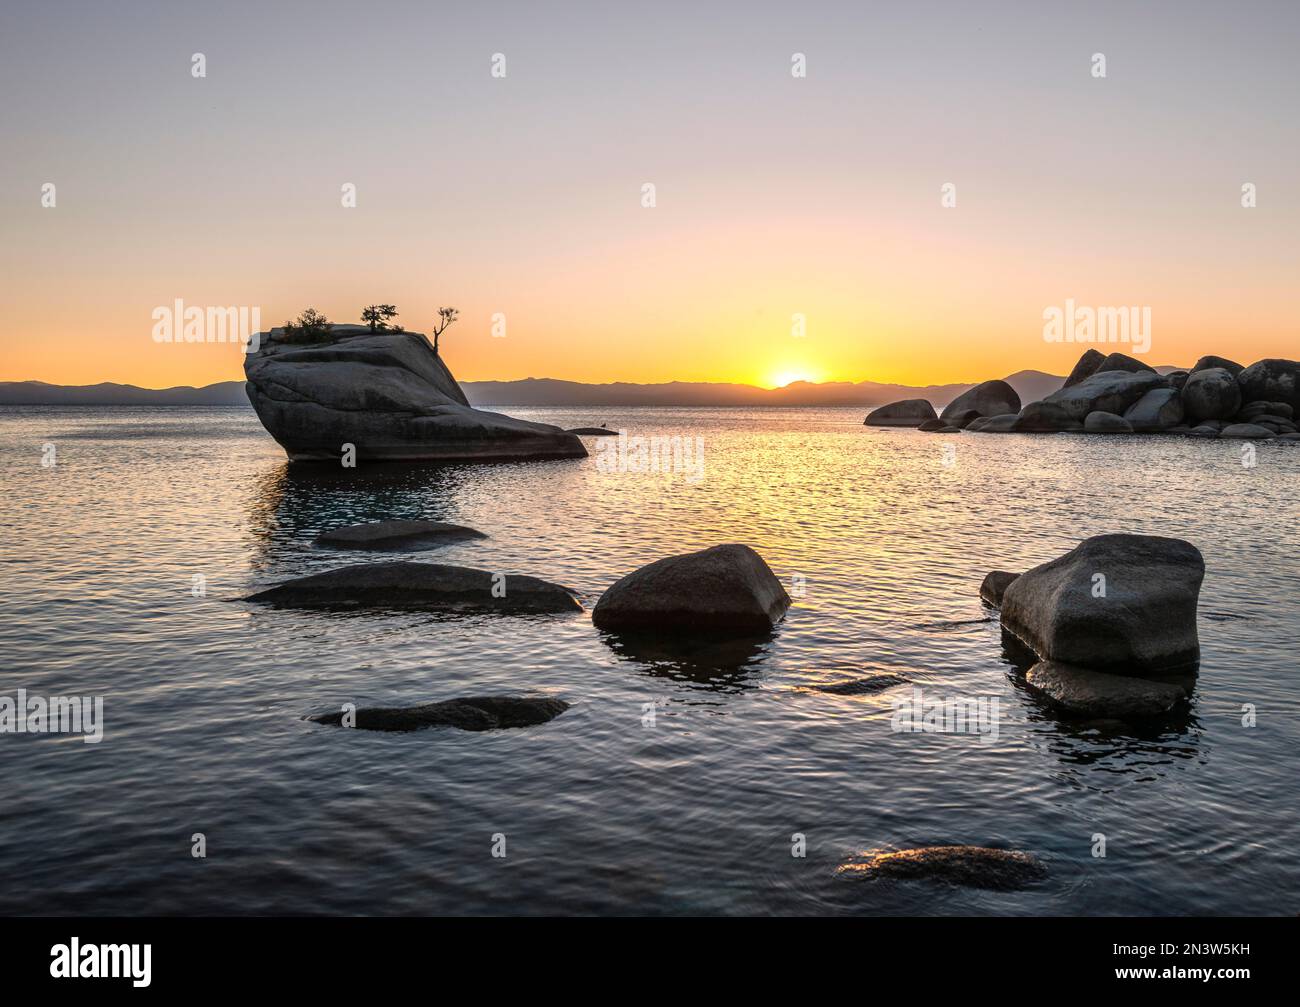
(775,196)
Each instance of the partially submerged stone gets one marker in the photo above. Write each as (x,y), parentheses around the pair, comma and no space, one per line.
(861,686)
(1089,693)
(395,535)
(988,398)
(474,713)
(971,866)
(424,586)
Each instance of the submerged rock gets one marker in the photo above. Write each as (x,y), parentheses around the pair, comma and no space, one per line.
(1090,693)
(474,713)
(594,432)
(1124,603)
(425,586)
(988,398)
(725,589)
(389,396)
(861,686)
(995,585)
(1211,394)
(929,425)
(395,535)
(973,866)
(904,413)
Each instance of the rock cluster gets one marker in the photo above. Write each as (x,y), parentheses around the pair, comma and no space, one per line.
(1116,394)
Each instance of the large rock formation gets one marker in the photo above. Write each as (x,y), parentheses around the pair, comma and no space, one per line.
(724,590)
(989,398)
(387,394)
(1111,391)
(905,413)
(426,586)
(1123,362)
(1122,603)
(1208,361)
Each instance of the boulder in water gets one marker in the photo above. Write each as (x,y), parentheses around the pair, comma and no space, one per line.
(1122,603)
(995,585)
(727,589)
(989,398)
(904,413)
(1110,391)
(389,396)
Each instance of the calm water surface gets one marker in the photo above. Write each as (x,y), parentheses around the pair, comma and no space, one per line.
(204,696)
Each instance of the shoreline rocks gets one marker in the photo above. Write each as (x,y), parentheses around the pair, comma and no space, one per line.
(727,589)
(389,396)
(422,586)
(904,413)
(394,535)
(1119,394)
(473,713)
(971,866)
(1122,603)
(989,398)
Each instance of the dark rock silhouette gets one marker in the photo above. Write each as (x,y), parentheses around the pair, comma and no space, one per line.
(906,413)
(474,713)
(1122,603)
(389,396)
(395,535)
(425,586)
(727,589)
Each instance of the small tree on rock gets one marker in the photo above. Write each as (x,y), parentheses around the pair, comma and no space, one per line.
(445,317)
(311,327)
(377,316)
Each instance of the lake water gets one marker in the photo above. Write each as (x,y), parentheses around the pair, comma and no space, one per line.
(608,809)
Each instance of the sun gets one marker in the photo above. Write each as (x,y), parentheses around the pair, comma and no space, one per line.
(785,376)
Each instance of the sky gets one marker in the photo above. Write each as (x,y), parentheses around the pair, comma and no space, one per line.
(777,197)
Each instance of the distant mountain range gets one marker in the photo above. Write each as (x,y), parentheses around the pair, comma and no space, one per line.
(1029,385)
